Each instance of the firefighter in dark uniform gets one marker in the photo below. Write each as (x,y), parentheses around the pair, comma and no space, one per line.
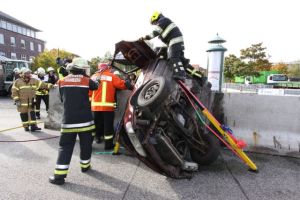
(77,119)
(169,34)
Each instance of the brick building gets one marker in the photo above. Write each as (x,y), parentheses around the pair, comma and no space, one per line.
(18,40)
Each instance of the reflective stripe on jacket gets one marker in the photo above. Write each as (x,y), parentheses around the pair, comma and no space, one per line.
(103,99)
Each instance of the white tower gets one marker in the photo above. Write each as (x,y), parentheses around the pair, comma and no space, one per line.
(215,64)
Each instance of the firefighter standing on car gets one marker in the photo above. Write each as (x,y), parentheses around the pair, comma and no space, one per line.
(103,103)
(77,119)
(23,93)
(169,34)
(41,94)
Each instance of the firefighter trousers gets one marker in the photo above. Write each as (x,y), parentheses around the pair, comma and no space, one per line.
(66,145)
(26,121)
(104,122)
(39,99)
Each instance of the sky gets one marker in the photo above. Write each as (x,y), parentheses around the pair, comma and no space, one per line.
(90,28)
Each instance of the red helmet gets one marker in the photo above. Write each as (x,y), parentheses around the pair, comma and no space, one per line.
(103,66)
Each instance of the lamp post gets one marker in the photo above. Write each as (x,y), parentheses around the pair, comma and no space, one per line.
(215,64)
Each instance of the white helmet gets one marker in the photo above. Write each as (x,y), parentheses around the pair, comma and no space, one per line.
(50,69)
(25,70)
(78,63)
(41,71)
(16,70)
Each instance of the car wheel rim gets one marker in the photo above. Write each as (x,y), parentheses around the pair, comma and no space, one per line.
(151,91)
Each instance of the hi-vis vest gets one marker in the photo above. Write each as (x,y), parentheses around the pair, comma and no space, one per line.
(103,99)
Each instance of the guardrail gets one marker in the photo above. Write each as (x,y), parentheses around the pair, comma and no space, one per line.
(260,89)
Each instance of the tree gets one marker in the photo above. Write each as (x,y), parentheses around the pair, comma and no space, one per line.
(294,70)
(281,68)
(48,58)
(256,57)
(250,63)
(231,65)
(234,66)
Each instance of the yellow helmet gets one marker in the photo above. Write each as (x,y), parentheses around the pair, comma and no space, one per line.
(155,16)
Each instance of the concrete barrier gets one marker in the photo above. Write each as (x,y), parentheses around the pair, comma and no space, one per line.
(53,120)
(268,124)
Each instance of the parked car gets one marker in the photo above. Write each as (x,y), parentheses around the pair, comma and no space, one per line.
(159,125)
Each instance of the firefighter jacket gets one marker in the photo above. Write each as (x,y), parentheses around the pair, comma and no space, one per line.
(42,91)
(62,72)
(168,32)
(25,92)
(103,99)
(77,115)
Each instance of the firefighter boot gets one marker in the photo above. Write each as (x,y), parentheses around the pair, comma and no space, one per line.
(178,69)
(108,145)
(83,170)
(24,118)
(34,127)
(56,180)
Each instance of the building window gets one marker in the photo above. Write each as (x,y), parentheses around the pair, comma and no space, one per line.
(13,55)
(2,53)
(39,47)
(32,34)
(20,29)
(23,44)
(3,24)
(23,57)
(28,32)
(15,29)
(31,46)
(23,31)
(9,26)
(12,41)
(1,38)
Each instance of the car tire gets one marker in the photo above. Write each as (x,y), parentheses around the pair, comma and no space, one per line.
(153,93)
(211,154)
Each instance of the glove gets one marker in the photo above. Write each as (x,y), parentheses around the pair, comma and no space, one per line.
(147,37)
(17,103)
(128,85)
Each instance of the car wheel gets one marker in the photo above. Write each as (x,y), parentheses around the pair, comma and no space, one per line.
(211,152)
(153,93)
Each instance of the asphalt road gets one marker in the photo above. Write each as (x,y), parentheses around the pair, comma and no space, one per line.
(25,167)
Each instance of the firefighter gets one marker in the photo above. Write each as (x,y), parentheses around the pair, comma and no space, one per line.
(23,93)
(50,76)
(41,94)
(16,73)
(103,103)
(61,70)
(77,119)
(169,34)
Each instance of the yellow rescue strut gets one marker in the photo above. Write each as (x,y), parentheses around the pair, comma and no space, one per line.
(232,143)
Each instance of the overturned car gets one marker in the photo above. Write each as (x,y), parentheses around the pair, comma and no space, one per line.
(159,125)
